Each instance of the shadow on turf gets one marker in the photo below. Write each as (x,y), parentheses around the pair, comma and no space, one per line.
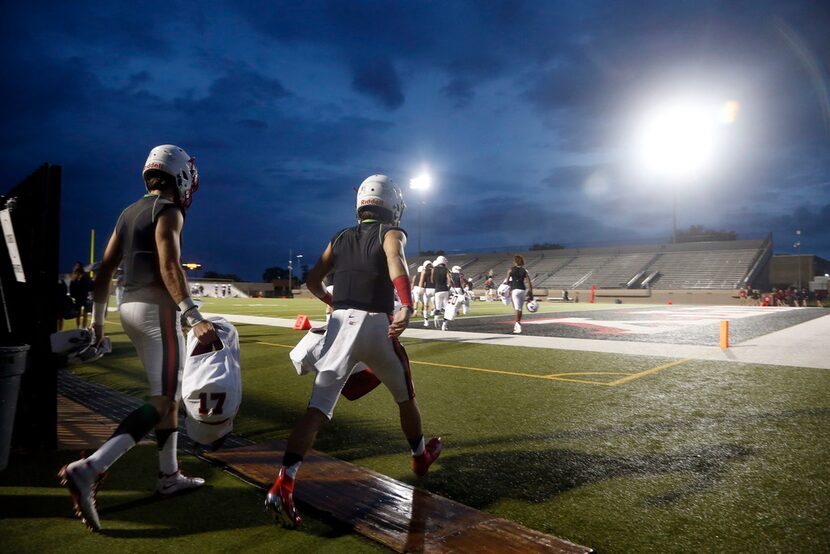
(144,515)
(536,476)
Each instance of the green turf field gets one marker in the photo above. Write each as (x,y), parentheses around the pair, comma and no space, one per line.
(289,308)
(620,453)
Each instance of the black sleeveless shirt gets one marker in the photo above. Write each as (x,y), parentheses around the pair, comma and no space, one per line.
(517,277)
(136,229)
(429,282)
(361,273)
(439,275)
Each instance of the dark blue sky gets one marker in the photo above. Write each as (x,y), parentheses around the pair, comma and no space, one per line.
(524,112)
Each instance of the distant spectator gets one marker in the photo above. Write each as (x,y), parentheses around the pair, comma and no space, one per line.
(742,296)
(488,289)
(779,297)
(80,287)
(565,297)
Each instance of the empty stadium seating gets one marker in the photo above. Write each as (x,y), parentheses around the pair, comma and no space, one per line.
(703,265)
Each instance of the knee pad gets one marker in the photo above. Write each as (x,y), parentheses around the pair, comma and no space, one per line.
(140,422)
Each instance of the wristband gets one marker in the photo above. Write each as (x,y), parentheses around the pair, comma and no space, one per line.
(99,313)
(404,289)
(190,311)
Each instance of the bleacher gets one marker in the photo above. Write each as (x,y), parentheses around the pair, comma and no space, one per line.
(577,272)
(704,265)
(621,269)
(701,270)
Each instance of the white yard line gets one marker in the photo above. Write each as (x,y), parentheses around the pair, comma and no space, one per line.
(804,345)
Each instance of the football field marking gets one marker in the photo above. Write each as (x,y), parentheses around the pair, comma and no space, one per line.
(655,369)
(551,377)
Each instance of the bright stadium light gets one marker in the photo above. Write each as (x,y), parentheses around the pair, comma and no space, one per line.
(676,142)
(421,182)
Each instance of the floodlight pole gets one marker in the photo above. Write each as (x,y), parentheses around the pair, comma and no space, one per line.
(420,184)
(798,251)
(290,258)
(420,224)
(674,215)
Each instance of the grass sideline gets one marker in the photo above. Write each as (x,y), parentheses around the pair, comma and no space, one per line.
(700,456)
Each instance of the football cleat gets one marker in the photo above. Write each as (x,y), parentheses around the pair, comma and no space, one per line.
(517,328)
(444,326)
(426,323)
(173,483)
(279,502)
(421,462)
(82,481)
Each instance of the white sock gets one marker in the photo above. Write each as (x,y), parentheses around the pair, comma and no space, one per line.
(110,451)
(293,469)
(168,462)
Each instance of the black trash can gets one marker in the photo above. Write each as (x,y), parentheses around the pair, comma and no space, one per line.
(12,366)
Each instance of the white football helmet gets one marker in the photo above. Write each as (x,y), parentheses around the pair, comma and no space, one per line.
(427,263)
(78,345)
(456,269)
(420,268)
(381,191)
(440,260)
(532,306)
(174,161)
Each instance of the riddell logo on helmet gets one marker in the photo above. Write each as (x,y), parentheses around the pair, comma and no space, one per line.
(371,202)
(153,165)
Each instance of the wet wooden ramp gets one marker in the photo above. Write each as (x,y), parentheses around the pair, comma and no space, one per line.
(404,518)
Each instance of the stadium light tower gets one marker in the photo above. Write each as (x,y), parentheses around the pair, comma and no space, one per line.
(797,246)
(677,141)
(421,183)
(290,269)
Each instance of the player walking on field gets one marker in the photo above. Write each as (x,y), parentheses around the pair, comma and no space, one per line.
(515,278)
(147,237)
(443,283)
(369,266)
(427,285)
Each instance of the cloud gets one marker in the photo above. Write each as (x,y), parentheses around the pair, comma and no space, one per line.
(379,80)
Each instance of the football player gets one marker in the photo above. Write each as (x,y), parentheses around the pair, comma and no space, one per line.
(369,265)
(462,287)
(427,286)
(443,283)
(515,278)
(147,238)
(417,294)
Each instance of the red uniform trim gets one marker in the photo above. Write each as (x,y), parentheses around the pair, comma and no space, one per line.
(170,365)
(401,353)
(404,289)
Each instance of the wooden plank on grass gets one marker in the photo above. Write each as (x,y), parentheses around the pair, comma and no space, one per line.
(392,513)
